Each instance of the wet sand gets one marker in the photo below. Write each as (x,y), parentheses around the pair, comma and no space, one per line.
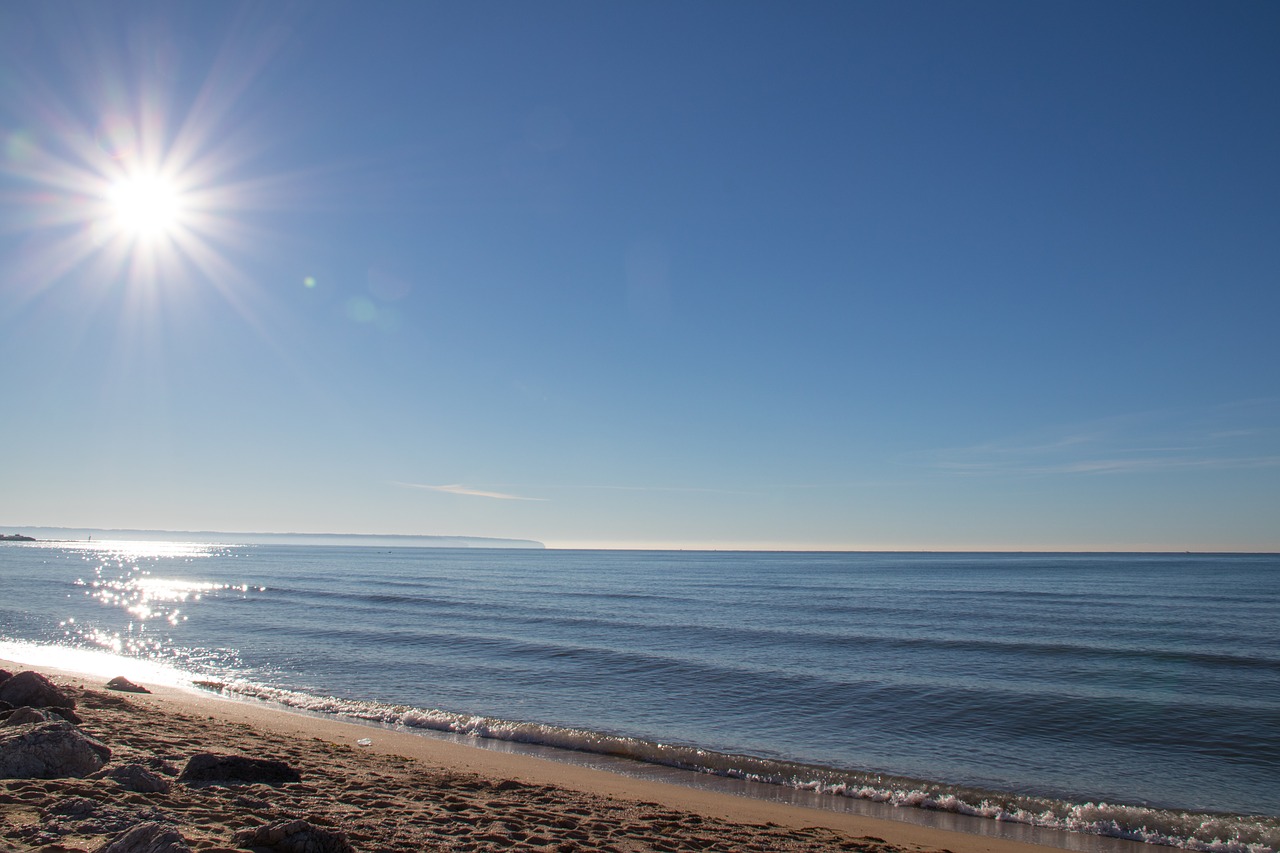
(404,792)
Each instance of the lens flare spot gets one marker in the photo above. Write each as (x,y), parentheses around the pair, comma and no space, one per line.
(361,310)
(21,147)
(116,137)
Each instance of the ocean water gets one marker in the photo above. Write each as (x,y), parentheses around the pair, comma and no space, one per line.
(1134,696)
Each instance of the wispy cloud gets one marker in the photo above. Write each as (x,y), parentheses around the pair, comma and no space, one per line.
(695,489)
(1123,465)
(1137,443)
(755,489)
(459,489)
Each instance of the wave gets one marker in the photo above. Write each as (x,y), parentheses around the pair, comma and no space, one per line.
(1211,833)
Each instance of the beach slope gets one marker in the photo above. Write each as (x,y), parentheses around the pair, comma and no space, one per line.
(400,792)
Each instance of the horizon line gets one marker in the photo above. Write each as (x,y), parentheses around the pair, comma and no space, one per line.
(634,546)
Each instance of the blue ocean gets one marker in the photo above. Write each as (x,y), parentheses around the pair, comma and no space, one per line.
(1135,696)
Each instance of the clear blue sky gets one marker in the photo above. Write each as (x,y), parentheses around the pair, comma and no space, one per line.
(705,274)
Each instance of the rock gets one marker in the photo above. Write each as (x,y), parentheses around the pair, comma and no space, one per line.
(125,685)
(159,766)
(67,714)
(26,714)
(214,769)
(32,688)
(49,751)
(76,808)
(5,675)
(104,817)
(152,837)
(294,836)
(212,686)
(136,778)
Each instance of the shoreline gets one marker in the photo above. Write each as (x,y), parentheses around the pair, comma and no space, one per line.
(739,788)
(319,744)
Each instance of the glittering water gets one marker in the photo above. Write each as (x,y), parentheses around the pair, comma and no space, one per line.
(1023,687)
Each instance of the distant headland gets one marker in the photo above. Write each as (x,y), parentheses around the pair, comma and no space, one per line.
(401,540)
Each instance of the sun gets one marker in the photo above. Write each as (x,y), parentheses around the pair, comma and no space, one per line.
(145,206)
(129,173)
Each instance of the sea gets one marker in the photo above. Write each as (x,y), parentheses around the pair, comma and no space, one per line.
(1104,696)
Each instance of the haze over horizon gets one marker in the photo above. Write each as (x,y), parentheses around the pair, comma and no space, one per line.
(417,540)
(826,276)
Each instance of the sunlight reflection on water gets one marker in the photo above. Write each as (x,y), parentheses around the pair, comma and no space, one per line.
(145,597)
(129,550)
(98,662)
(122,579)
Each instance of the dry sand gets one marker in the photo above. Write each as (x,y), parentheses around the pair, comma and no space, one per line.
(405,792)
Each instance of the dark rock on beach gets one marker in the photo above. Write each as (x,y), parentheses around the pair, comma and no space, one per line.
(88,816)
(159,766)
(151,837)
(137,778)
(32,688)
(211,686)
(211,769)
(125,685)
(26,715)
(49,751)
(295,836)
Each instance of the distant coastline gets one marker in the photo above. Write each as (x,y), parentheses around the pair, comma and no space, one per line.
(393,540)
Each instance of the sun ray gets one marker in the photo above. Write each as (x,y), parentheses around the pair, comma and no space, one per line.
(130,173)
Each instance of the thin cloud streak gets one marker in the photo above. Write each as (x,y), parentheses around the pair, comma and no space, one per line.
(695,489)
(598,487)
(459,489)
(1112,466)
(754,490)
(1122,466)
(707,490)
(1140,443)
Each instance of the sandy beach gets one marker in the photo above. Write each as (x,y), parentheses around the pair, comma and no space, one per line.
(402,792)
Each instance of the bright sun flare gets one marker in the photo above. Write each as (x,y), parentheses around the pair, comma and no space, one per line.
(145,205)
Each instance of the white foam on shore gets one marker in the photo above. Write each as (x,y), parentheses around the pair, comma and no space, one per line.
(1210,833)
